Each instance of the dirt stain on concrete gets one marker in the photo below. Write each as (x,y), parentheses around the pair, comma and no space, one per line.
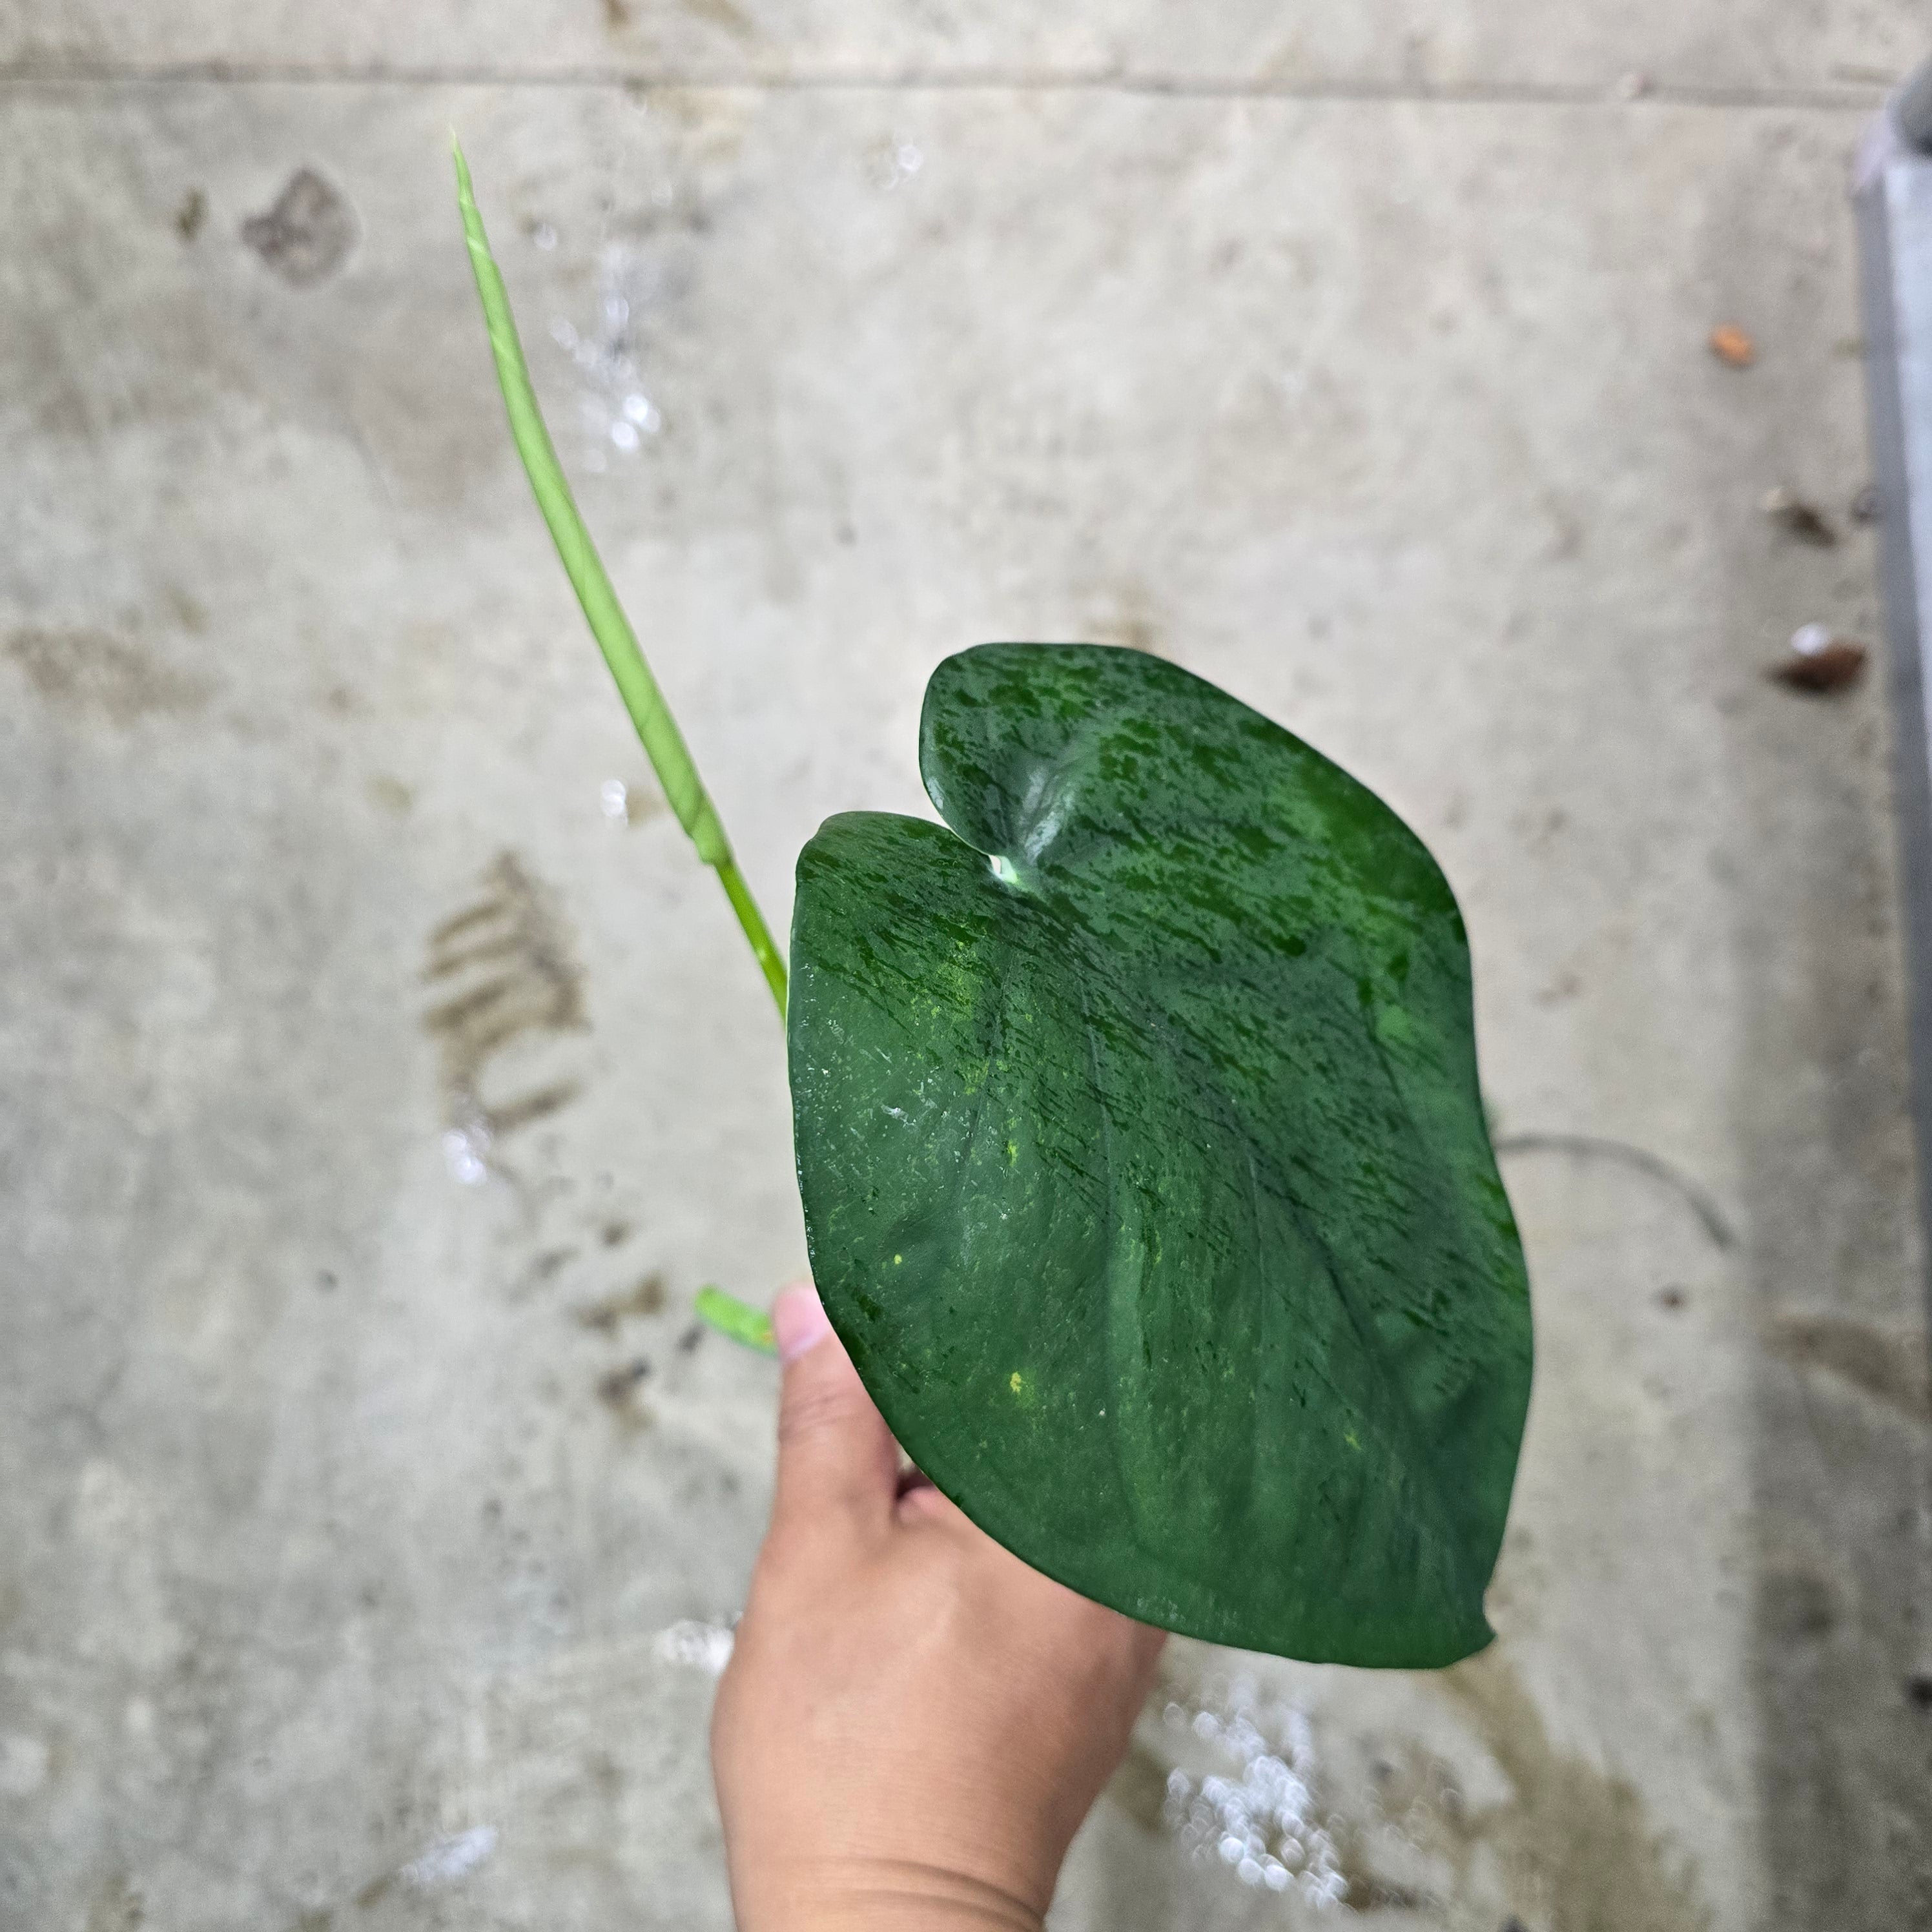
(1891,1366)
(510,953)
(606,1316)
(620,1391)
(391,795)
(372,1894)
(1571,1842)
(116,1907)
(1139,1787)
(1580,1854)
(86,670)
(724,13)
(551,1262)
(1129,616)
(618,15)
(306,235)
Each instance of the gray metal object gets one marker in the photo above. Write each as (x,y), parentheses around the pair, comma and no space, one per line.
(1912,110)
(1892,193)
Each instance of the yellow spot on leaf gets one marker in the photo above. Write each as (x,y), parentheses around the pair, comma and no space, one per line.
(1018,1382)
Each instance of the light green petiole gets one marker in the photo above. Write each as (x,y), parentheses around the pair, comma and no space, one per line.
(663,742)
(738,1319)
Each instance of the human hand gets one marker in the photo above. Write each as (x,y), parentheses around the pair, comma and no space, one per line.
(913,1723)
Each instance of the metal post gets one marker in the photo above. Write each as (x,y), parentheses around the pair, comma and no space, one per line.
(1892,194)
(1912,111)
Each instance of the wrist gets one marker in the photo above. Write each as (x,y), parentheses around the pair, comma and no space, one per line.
(879,1894)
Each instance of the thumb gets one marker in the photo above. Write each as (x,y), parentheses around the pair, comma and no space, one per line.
(836,1456)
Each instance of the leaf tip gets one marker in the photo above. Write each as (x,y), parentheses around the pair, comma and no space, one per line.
(465,194)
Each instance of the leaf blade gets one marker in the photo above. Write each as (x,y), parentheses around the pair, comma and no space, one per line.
(1134,1210)
(657,729)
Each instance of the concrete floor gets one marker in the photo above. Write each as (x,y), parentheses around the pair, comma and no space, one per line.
(366,1495)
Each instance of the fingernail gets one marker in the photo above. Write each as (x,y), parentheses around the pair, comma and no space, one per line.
(798,1321)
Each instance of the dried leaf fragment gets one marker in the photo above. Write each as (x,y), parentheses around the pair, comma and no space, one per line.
(1818,662)
(1733,345)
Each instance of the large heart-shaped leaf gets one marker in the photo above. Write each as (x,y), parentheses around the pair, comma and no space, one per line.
(1144,1170)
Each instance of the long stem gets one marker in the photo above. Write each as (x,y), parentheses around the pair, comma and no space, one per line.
(670,757)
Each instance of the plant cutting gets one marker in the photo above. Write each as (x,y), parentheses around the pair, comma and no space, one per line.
(1143,1166)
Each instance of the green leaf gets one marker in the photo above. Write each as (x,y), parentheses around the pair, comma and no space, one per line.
(1144,1169)
(738,1319)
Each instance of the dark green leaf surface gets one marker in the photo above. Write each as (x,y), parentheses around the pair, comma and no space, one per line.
(1144,1167)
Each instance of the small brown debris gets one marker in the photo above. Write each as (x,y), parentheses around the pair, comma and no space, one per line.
(1671,1297)
(617,1385)
(618,1392)
(647,1298)
(1865,506)
(1819,662)
(1566,985)
(191,214)
(1733,345)
(616,1233)
(687,1343)
(1797,1605)
(1797,518)
(391,795)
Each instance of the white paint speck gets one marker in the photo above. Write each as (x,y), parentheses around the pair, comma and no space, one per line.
(464,1152)
(893,162)
(450,1859)
(697,1646)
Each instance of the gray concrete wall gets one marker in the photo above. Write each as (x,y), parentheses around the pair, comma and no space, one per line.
(365,1492)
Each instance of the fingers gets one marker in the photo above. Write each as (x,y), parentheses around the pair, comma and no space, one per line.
(837,1461)
(921,1505)
(920,1501)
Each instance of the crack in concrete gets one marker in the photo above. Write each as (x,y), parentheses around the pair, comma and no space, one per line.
(1591,1146)
(1363,91)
